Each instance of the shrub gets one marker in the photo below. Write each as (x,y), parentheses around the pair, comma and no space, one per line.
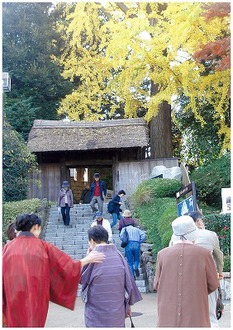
(12,209)
(210,179)
(157,216)
(18,162)
(221,224)
(150,189)
(227,264)
(148,215)
(157,213)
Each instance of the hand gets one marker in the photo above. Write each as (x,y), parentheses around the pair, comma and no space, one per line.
(89,250)
(220,276)
(129,312)
(93,257)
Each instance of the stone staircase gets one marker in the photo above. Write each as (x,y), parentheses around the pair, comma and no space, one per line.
(73,239)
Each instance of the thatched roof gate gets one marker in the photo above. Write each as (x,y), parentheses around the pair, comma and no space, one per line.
(97,146)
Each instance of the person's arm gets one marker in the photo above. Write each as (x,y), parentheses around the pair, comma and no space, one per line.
(157,273)
(71,198)
(93,257)
(211,274)
(59,199)
(65,274)
(116,200)
(218,256)
(142,236)
(104,188)
(122,233)
(109,229)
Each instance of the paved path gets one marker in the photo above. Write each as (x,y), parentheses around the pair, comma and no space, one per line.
(144,314)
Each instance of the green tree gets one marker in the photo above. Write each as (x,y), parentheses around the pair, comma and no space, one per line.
(211,178)
(28,44)
(200,144)
(18,163)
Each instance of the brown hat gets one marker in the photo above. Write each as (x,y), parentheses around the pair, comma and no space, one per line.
(127,214)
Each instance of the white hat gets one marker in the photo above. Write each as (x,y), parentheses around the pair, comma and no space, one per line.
(184,228)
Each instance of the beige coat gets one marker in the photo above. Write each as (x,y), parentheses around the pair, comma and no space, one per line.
(185,275)
(209,240)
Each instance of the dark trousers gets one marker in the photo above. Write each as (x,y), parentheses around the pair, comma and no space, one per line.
(65,211)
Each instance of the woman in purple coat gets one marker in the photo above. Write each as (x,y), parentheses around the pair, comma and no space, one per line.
(107,290)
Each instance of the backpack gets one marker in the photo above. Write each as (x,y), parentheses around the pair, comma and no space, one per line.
(125,238)
(111,207)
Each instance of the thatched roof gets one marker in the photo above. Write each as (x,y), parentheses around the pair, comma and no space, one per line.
(54,135)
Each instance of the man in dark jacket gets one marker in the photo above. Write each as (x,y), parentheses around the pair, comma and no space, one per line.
(97,193)
(114,207)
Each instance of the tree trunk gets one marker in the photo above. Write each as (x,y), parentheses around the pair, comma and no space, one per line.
(160,130)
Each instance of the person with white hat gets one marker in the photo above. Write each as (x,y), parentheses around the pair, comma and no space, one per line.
(185,275)
(99,220)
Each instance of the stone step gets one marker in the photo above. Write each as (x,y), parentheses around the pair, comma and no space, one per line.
(73,239)
(143,289)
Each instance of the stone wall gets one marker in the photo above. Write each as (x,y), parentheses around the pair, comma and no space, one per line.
(148,264)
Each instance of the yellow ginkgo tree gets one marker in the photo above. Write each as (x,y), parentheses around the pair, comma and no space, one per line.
(135,58)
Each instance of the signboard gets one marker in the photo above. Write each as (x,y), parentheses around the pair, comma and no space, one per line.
(185,206)
(188,204)
(6,82)
(226,200)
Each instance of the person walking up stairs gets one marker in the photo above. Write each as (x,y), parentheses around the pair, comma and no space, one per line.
(73,239)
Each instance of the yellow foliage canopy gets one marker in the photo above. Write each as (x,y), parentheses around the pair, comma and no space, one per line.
(115,49)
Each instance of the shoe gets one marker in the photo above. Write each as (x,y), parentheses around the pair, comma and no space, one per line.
(137,272)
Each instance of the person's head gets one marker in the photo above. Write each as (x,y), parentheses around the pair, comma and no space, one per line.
(121,193)
(65,185)
(197,218)
(97,235)
(96,176)
(10,231)
(98,216)
(28,222)
(127,214)
(184,229)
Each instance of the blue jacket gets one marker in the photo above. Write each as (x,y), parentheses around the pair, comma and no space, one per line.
(135,234)
(103,189)
(114,206)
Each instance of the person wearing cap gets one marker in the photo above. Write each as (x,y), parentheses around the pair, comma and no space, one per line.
(209,240)
(185,276)
(98,191)
(65,202)
(126,220)
(99,220)
(136,236)
(35,272)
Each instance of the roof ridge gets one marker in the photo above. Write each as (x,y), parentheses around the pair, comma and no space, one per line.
(38,123)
